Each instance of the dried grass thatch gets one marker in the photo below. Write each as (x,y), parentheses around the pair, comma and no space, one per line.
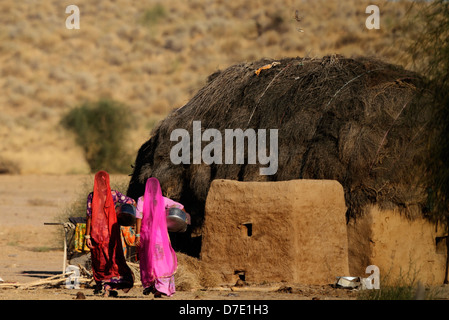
(193,274)
(356,120)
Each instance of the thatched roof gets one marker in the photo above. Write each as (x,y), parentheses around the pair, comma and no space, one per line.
(356,120)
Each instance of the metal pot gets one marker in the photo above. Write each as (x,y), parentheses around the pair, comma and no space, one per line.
(126,214)
(177,220)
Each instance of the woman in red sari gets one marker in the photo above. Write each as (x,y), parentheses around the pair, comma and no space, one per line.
(103,238)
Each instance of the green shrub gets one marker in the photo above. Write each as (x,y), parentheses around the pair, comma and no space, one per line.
(153,15)
(101,129)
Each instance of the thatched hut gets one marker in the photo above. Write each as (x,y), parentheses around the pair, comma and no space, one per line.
(359,121)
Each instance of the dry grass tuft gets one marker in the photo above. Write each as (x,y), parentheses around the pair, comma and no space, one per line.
(192,274)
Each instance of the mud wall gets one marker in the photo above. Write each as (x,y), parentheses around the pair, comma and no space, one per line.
(403,249)
(292,231)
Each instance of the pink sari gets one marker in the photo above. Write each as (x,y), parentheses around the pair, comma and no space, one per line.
(158,262)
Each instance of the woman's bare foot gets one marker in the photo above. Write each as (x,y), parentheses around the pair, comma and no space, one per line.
(107,290)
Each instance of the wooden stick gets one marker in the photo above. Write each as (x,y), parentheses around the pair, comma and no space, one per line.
(6,285)
(41,283)
(258,289)
(64,258)
(53,282)
(48,280)
(218,289)
(244,289)
(37,282)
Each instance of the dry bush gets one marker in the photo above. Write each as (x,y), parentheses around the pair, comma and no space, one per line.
(101,129)
(8,166)
(192,274)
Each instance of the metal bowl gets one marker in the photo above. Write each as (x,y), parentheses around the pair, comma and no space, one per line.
(177,220)
(126,215)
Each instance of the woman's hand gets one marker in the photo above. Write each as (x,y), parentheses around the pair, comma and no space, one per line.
(138,226)
(88,231)
(89,243)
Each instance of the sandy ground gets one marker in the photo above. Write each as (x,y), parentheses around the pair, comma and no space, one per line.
(29,249)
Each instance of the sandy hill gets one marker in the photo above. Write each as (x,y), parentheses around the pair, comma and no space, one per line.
(153,56)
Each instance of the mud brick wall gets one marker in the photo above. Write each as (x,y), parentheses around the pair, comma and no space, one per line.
(292,231)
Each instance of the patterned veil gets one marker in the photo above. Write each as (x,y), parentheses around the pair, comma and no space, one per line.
(108,260)
(157,257)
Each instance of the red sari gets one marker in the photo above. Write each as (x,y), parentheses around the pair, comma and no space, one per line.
(108,261)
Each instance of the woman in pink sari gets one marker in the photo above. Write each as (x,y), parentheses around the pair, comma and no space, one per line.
(158,262)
